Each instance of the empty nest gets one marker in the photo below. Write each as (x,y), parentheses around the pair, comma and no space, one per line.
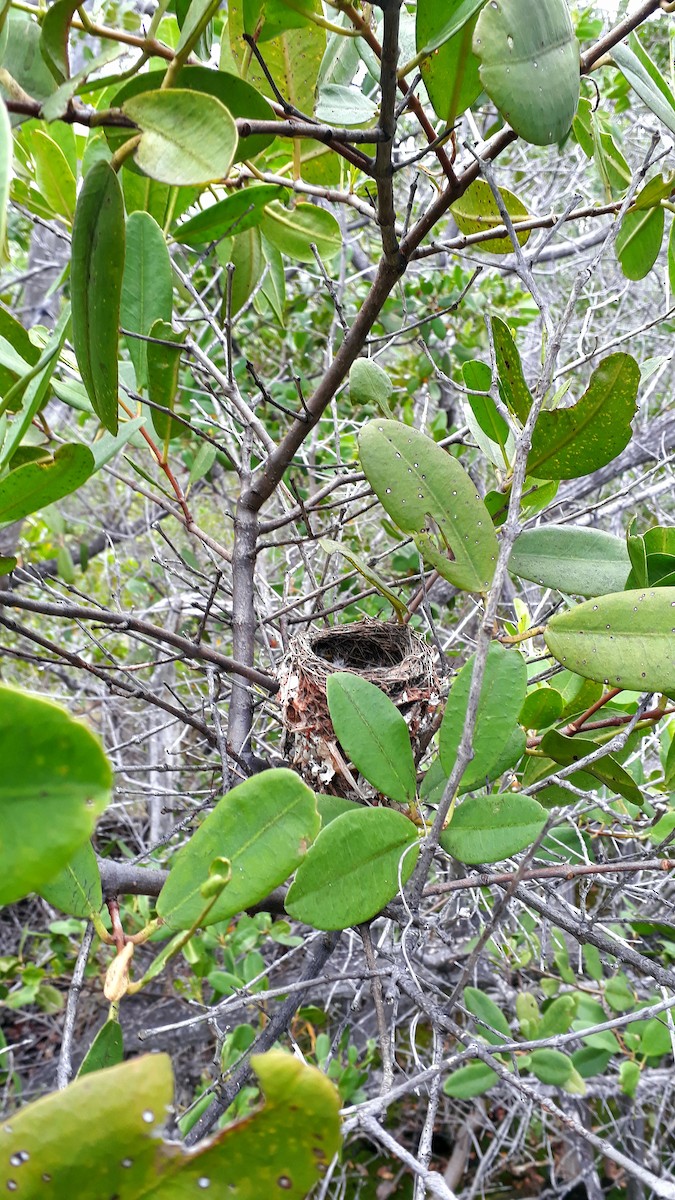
(392,657)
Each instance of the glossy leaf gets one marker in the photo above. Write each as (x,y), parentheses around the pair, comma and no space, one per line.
(373,733)
(568,750)
(472,1080)
(352,870)
(240,211)
(36,484)
(245,252)
(163,364)
(444,33)
(574,559)
(529,66)
(344,106)
(477,211)
(264,827)
(55,782)
(541,708)
(106,1050)
(77,888)
(147,287)
(415,480)
(54,37)
(98,254)
(22,56)
(486,829)
(625,639)
(513,388)
(478,375)
(266,19)
(293,230)
(188,137)
(570,442)
(639,241)
(501,699)
(99,1137)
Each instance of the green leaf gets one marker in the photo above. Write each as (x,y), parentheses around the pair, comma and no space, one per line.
(98,254)
(293,230)
(246,254)
(477,211)
(6,155)
(472,1080)
(106,1050)
(573,559)
(571,442)
(163,365)
(293,58)
(370,385)
(622,640)
(443,34)
(263,826)
(188,137)
(513,388)
(343,106)
(589,1062)
(489,1013)
(488,829)
(619,994)
(558,1016)
(53,174)
(568,750)
(239,98)
(37,484)
(54,37)
(352,870)
(529,66)
(329,807)
(77,888)
(645,78)
(629,1077)
(541,708)
(478,375)
(55,782)
(501,699)
(266,19)
(639,241)
(551,1066)
(373,733)
(147,287)
(280,1150)
(240,211)
(23,59)
(414,480)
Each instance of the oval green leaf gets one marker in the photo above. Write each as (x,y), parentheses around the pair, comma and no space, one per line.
(476,211)
(233,215)
(264,827)
(570,442)
(352,870)
(572,559)
(98,254)
(188,137)
(494,1026)
(293,230)
(36,484)
(374,735)
(501,699)
(626,639)
(413,480)
(77,888)
(486,829)
(529,65)
(444,32)
(639,241)
(55,781)
(106,1050)
(551,1066)
(472,1080)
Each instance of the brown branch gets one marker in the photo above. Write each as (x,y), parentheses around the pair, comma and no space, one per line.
(127,624)
(564,871)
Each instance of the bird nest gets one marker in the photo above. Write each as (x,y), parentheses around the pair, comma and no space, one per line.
(390,656)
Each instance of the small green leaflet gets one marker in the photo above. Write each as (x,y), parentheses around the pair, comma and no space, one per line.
(486,829)
(373,733)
